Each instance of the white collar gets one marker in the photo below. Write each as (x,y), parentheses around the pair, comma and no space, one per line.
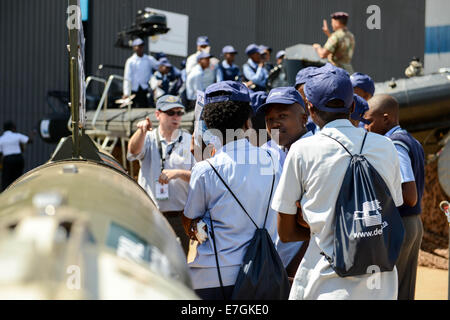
(338,123)
(161,138)
(390,132)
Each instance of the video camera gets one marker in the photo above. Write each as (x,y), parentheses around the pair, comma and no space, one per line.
(147,23)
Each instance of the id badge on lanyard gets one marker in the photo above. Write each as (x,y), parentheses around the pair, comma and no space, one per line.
(162,190)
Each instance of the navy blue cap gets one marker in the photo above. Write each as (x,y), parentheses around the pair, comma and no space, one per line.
(203,55)
(232,91)
(228,49)
(330,67)
(252,48)
(303,74)
(361,106)
(160,55)
(257,99)
(263,48)
(282,95)
(165,62)
(202,41)
(326,85)
(363,81)
(168,102)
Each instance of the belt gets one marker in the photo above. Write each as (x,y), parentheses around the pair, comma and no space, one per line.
(172,213)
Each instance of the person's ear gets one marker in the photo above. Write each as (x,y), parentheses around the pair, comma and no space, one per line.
(352,108)
(304,117)
(248,124)
(310,108)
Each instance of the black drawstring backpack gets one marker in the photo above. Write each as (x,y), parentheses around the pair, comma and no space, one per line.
(368,228)
(262,275)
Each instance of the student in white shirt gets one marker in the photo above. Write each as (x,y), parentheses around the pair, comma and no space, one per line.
(201,76)
(138,71)
(11,145)
(228,108)
(286,118)
(312,175)
(203,45)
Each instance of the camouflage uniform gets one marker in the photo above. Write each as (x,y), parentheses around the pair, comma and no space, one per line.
(341,44)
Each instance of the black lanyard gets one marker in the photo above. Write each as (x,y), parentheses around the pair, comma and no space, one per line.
(170,149)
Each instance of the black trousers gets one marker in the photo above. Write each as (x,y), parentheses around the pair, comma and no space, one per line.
(141,100)
(12,169)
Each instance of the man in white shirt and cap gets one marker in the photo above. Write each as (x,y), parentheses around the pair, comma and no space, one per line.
(166,161)
(138,71)
(312,175)
(11,145)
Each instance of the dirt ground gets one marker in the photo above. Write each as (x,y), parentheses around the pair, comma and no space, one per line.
(431,284)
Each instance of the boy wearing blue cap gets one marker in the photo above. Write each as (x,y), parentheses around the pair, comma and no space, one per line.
(363,85)
(286,119)
(300,80)
(357,116)
(209,201)
(312,175)
(258,98)
(227,70)
(201,76)
(203,45)
(383,118)
(255,75)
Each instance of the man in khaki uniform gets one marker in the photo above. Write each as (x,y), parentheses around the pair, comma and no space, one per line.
(340,44)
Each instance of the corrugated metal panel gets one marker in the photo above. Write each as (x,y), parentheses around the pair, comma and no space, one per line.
(383,53)
(33,61)
(34,58)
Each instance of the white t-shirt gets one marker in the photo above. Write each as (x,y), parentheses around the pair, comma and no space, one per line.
(10,143)
(313,172)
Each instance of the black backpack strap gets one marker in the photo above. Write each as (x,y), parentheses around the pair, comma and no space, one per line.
(212,224)
(225,184)
(362,146)
(364,141)
(217,257)
(271,190)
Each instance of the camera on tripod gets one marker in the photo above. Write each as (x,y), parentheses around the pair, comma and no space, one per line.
(147,23)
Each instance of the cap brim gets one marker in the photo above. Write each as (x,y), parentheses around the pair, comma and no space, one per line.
(170,106)
(284,101)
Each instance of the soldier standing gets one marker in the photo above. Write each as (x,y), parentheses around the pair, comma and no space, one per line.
(340,44)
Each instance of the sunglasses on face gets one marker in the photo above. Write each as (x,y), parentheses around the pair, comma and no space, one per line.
(171,113)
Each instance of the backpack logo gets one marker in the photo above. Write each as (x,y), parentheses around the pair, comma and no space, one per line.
(370,216)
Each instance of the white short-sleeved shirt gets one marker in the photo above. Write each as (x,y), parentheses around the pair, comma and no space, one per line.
(313,172)
(286,250)
(150,161)
(403,156)
(248,171)
(10,143)
(199,79)
(137,73)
